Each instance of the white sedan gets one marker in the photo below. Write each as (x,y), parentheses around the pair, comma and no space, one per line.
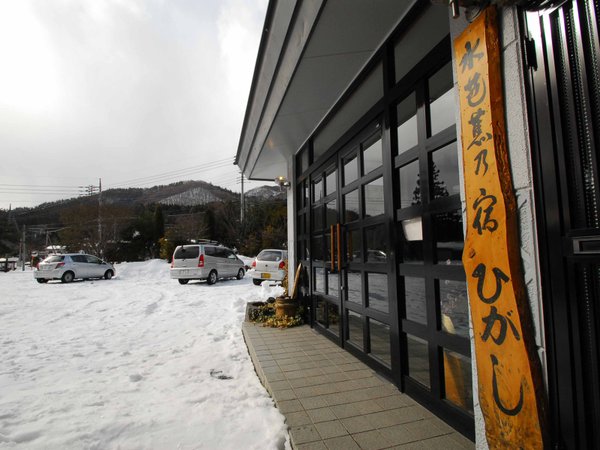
(268,265)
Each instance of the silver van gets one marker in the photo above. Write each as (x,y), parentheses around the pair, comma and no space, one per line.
(208,262)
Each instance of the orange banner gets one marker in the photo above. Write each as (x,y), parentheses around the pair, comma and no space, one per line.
(509,377)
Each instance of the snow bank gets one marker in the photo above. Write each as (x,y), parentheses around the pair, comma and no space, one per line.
(135,362)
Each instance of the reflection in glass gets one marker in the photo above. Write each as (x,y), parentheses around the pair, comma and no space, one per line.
(355,329)
(351,206)
(418,359)
(377,244)
(378,292)
(442,101)
(380,341)
(333,318)
(410,189)
(457,377)
(327,251)
(331,183)
(302,253)
(319,279)
(448,231)
(372,157)
(454,307)
(354,246)
(320,311)
(444,172)
(407,123)
(374,205)
(354,287)
(333,288)
(350,170)
(317,217)
(331,213)
(317,248)
(414,290)
(303,160)
(317,189)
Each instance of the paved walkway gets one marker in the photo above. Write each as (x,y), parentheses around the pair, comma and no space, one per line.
(331,400)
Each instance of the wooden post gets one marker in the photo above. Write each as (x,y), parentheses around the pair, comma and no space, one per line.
(511,392)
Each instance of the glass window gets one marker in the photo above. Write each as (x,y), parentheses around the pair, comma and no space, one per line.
(454,307)
(377,244)
(351,206)
(448,231)
(317,190)
(374,204)
(378,291)
(355,329)
(416,307)
(319,278)
(407,123)
(317,248)
(303,160)
(350,170)
(331,183)
(333,318)
(418,359)
(444,172)
(354,287)
(333,287)
(93,259)
(380,341)
(458,381)
(354,245)
(320,311)
(317,217)
(410,189)
(331,212)
(372,157)
(441,98)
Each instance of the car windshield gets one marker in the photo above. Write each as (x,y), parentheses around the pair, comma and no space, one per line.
(54,259)
(269,255)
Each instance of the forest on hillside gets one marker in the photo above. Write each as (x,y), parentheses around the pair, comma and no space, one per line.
(119,232)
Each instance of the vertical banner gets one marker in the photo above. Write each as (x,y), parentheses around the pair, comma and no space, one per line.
(511,391)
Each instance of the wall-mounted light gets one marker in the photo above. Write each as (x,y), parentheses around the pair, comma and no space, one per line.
(282,181)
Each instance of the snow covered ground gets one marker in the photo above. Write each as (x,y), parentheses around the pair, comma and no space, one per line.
(137,362)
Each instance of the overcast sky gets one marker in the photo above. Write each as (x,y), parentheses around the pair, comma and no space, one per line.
(136,92)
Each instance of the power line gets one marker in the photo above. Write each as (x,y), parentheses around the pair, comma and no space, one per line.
(177,173)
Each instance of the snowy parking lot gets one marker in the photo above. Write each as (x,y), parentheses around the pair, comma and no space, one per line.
(136,362)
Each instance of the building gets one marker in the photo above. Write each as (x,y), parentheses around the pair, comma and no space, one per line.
(356,104)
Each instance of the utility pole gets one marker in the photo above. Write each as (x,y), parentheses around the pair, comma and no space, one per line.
(22,247)
(242,205)
(100,217)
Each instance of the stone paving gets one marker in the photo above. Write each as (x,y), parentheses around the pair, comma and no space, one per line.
(331,400)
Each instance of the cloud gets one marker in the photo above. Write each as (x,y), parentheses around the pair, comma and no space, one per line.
(139,87)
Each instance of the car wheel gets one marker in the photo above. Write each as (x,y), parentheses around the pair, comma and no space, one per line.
(108,274)
(41,280)
(182,281)
(67,277)
(212,277)
(256,281)
(240,274)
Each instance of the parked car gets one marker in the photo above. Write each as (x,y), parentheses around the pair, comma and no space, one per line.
(268,265)
(207,261)
(70,266)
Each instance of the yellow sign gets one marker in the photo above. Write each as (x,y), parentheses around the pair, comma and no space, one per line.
(509,375)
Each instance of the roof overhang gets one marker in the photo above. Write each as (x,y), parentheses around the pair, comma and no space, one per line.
(310,53)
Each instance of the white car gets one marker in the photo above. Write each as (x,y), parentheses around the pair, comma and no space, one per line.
(70,266)
(268,265)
